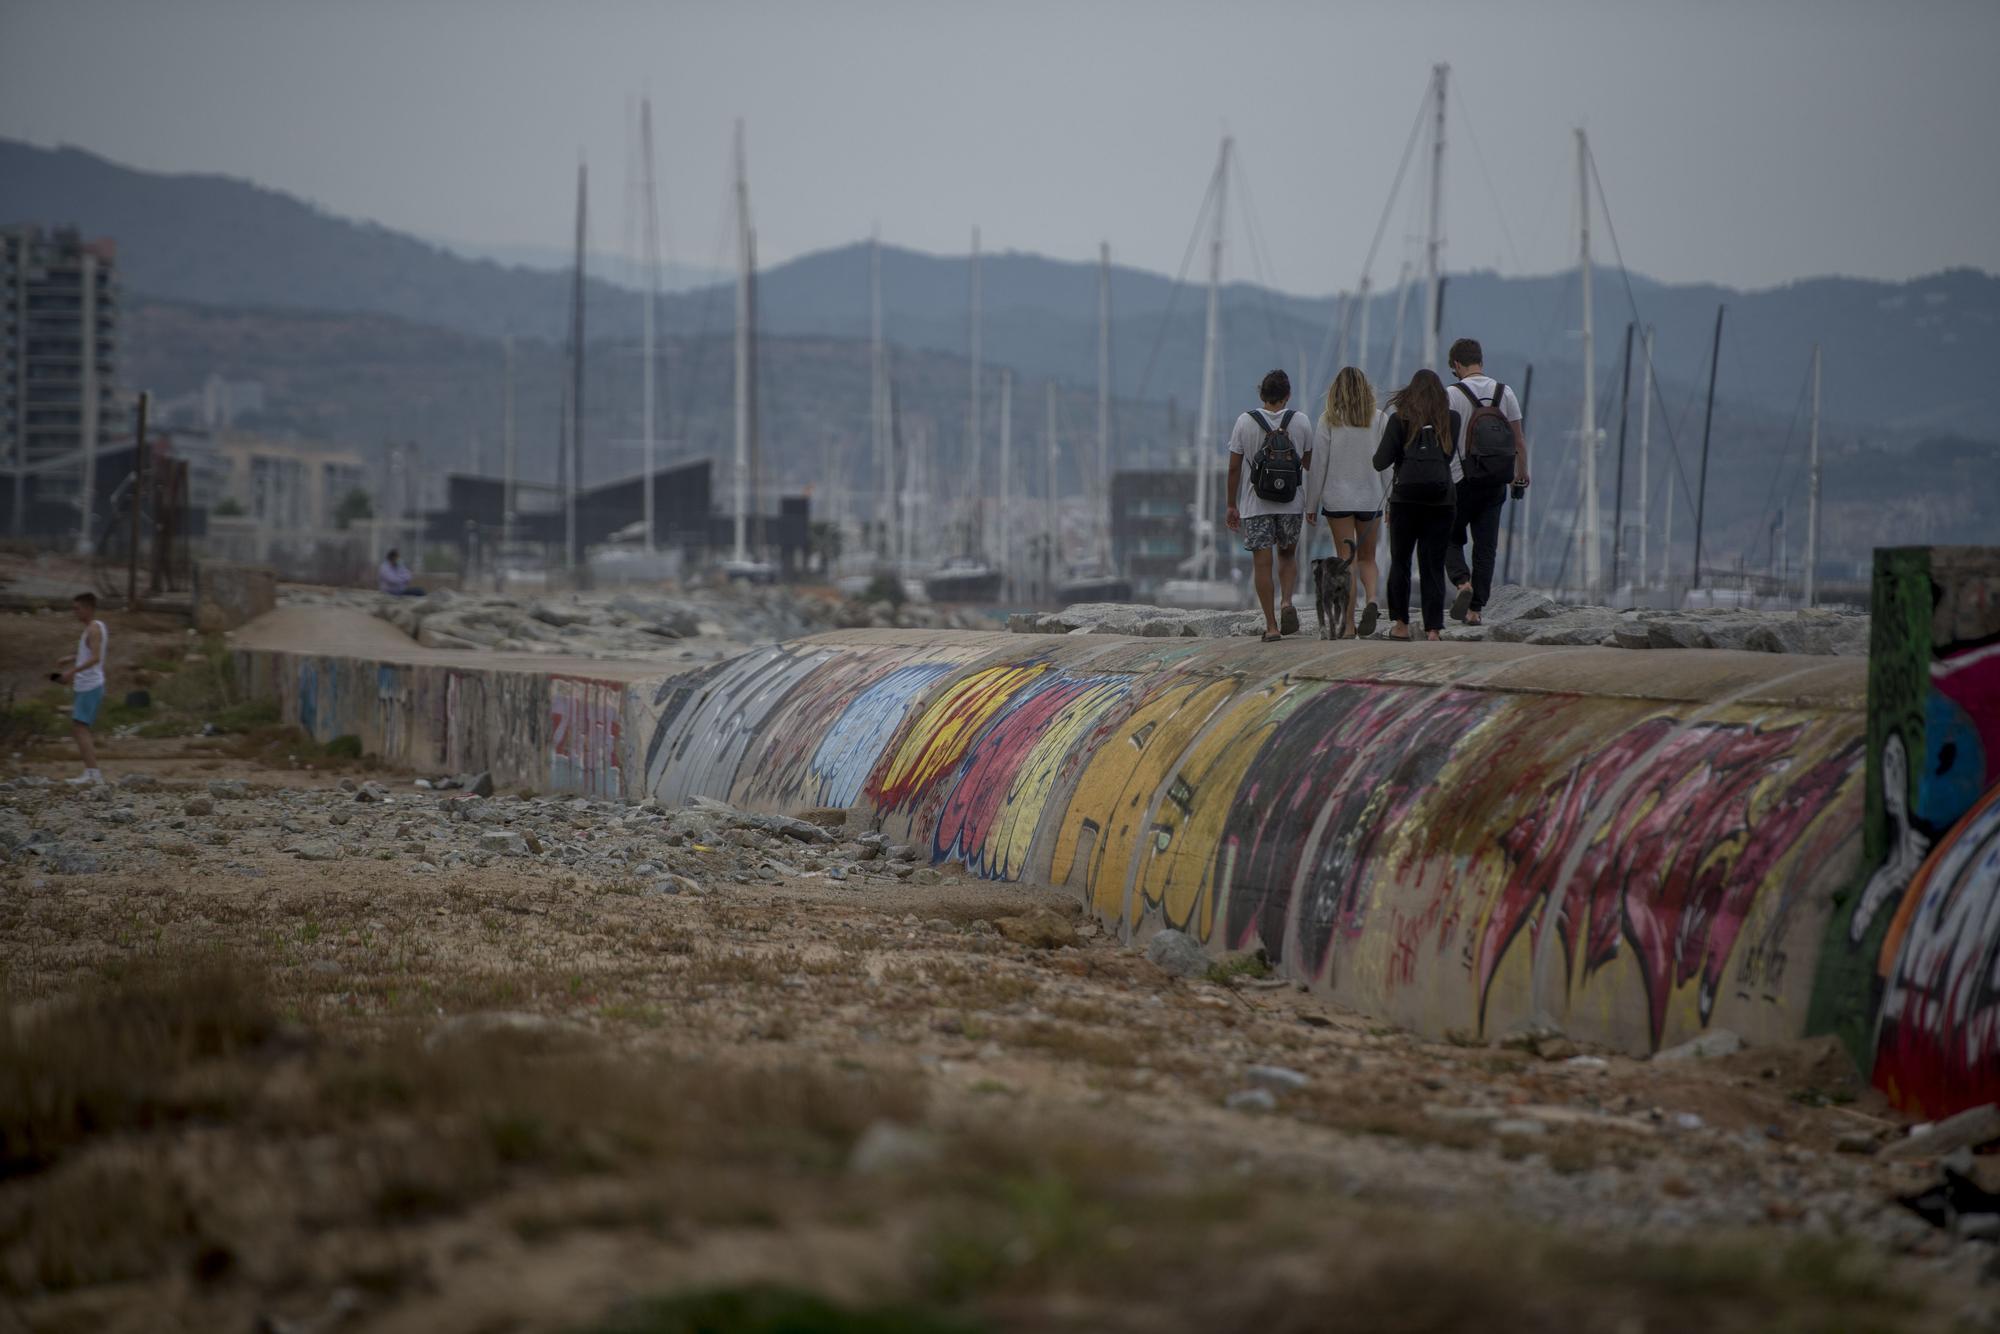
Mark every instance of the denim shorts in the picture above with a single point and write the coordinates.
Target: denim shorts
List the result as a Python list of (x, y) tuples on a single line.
[(1271, 530), (83, 708)]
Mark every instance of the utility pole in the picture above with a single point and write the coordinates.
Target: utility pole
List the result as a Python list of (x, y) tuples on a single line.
[(1645, 460), (1435, 244), (652, 299), (1618, 491), (1204, 431), (1812, 495), (138, 492), (1524, 529), (740, 487), (1587, 430), (1707, 424), (1006, 524), (1103, 505)]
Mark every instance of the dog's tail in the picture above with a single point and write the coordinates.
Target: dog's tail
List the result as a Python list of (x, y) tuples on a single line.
[(1351, 548)]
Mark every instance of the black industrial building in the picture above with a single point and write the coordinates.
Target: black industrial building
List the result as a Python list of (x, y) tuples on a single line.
[(1151, 524), (683, 515)]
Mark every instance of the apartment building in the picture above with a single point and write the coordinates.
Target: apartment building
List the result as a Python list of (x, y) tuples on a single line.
[(58, 364)]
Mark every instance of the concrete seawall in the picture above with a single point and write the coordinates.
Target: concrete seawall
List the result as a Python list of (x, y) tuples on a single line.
[(1463, 838)]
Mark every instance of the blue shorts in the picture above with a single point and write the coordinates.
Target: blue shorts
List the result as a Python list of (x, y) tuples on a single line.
[(84, 708)]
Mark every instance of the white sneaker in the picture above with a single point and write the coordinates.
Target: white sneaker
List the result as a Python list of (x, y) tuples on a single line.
[(89, 778)]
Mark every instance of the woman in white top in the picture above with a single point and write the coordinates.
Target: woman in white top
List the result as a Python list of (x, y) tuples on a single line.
[(1346, 489)]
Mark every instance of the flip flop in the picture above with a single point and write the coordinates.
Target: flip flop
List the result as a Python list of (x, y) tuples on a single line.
[(1370, 614), (1288, 620), (1462, 603), (1271, 638)]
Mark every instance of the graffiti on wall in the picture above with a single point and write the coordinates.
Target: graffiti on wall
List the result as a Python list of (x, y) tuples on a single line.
[(1906, 976), (586, 724), (703, 723), (1003, 784)]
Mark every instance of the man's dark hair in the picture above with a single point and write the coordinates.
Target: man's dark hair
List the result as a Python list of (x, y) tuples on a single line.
[(87, 599), (1275, 387), (392, 554), (1466, 352)]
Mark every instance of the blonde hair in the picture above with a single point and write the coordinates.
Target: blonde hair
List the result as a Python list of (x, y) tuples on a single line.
[(1350, 400)]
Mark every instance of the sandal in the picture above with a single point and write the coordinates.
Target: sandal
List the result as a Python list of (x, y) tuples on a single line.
[(1462, 603), (1273, 637), (1288, 620), (1370, 614)]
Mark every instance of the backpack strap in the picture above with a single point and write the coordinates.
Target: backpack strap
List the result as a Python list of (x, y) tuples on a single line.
[(1471, 397), (1285, 422)]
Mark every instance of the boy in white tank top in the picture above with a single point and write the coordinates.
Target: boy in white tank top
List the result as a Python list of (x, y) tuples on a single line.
[(84, 673)]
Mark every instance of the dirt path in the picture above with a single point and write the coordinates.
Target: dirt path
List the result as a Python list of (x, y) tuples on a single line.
[(434, 1080)]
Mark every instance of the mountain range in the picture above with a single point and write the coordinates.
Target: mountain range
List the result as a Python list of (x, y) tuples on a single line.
[(362, 334)]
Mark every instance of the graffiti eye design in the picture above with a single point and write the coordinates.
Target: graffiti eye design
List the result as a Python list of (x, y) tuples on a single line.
[(1162, 836), (1182, 795), (1143, 735)]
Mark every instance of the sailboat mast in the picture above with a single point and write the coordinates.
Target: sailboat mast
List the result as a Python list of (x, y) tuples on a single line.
[(507, 448), (1103, 506), (1361, 343), (1204, 506), (1435, 244), (1049, 561), (1812, 495), (1006, 523), (878, 392), (1707, 426), (975, 486), (1587, 430), (652, 300), (574, 482), (1618, 487), (757, 543), (741, 479), (1396, 339), (1645, 462)]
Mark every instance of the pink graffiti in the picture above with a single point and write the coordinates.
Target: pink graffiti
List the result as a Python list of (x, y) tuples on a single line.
[(978, 797), (1938, 1048), (1675, 867)]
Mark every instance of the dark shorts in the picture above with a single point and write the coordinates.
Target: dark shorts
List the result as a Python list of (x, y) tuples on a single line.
[(1359, 516), (1271, 530)]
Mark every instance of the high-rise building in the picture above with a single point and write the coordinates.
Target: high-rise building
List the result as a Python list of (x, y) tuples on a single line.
[(58, 364)]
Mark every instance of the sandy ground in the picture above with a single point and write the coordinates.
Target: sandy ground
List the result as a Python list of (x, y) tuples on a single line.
[(423, 1085), (515, 1096)]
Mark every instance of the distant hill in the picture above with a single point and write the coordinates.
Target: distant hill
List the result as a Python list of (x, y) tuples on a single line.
[(1902, 359)]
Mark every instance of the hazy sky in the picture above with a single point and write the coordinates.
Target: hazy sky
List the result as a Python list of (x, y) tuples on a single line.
[(1750, 142)]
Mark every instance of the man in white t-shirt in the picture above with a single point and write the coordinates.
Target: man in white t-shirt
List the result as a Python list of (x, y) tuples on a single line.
[(1479, 501), (1270, 525)]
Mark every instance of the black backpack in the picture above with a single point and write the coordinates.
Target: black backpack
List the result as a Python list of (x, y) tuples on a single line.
[(1489, 438), (1424, 475), (1275, 471)]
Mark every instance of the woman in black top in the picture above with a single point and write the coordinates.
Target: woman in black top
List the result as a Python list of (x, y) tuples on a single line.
[(1419, 521)]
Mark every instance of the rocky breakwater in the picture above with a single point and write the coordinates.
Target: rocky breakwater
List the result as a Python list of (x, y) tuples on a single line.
[(1515, 616), (628, 623), (231, 827)]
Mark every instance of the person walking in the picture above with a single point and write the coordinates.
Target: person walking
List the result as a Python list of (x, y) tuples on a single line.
[(1267, 499), (1347, 490), (1492, 454), (83, 673), (1419, 441)]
